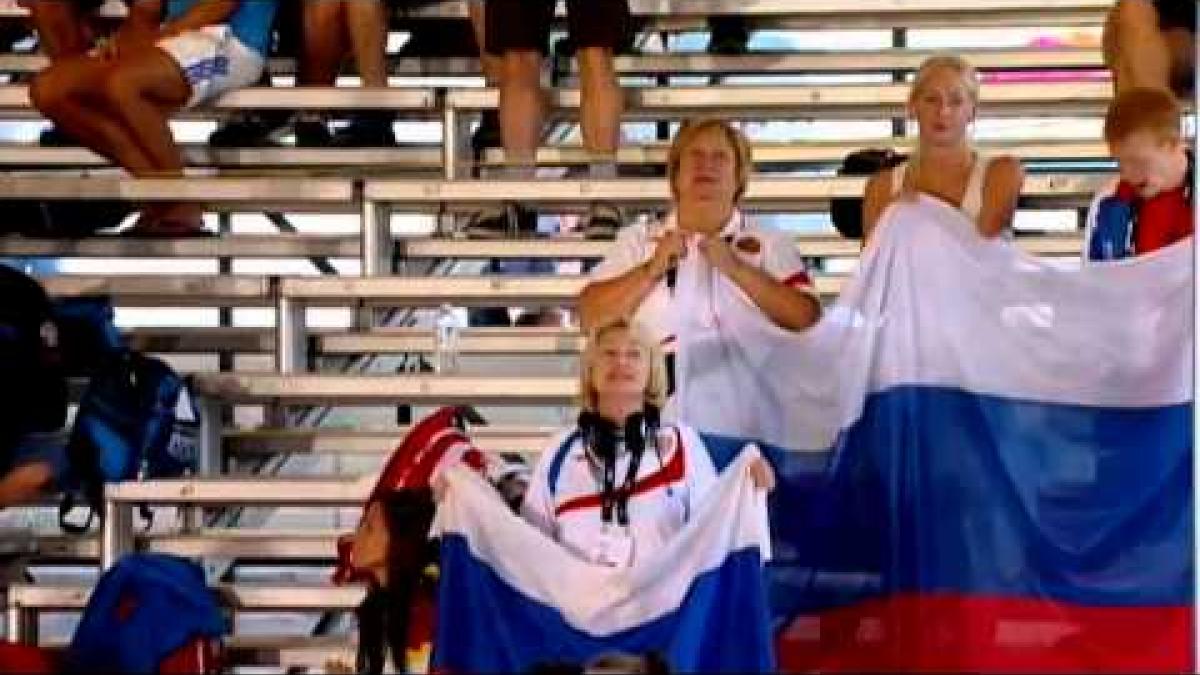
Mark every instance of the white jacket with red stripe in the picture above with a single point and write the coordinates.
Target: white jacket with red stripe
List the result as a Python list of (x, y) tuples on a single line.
[(564, 500)]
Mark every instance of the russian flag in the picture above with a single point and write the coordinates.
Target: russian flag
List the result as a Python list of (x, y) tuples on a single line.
[(512, 599), (986, 458)]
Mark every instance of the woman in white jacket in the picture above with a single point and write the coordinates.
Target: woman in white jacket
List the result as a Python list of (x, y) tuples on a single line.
[(620, 484)]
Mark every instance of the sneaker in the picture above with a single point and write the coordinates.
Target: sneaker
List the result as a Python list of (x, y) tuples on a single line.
[(366, 130), (249, 130), (509, 220), (311, 134), (602, 222)]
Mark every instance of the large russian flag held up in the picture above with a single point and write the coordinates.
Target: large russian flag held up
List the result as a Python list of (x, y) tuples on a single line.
[(511, 598), (986, 457), (985, 464)]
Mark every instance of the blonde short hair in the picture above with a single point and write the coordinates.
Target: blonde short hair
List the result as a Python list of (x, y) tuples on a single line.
[(737, 140), (656, 385), (952, 62)]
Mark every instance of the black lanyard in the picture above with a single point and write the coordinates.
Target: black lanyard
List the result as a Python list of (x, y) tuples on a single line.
[(613, 499)]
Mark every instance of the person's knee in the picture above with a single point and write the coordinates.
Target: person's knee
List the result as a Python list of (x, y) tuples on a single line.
[(324, 11), (48, 92), (369, 9), (1132, 16), (522, 68), (597, 63)]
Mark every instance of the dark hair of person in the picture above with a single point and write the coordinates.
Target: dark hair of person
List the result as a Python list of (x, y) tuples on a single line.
[(384, 614)]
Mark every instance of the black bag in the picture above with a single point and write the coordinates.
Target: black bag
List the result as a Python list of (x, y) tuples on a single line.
[(33, 397), (846, 212)]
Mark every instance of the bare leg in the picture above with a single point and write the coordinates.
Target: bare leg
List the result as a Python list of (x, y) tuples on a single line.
[(602, 101), (142, 93), (61, 28), (521, 109), (67, 94), (323, 45), (491, 64), (487, 134), (600, 117), (366, 22), (324, 42), (1134, 48), (25, 483)]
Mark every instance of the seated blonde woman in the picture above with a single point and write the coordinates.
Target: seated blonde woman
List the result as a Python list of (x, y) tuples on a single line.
[(618, 485), (944, 100)]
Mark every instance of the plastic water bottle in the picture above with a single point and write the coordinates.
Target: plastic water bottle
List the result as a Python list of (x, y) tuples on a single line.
[(445, 341)]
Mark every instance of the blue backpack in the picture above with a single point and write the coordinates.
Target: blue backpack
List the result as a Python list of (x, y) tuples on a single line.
[(149, 613), (137, 419), (87, 333)]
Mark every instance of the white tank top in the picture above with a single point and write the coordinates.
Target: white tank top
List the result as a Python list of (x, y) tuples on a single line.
[(972, 199)]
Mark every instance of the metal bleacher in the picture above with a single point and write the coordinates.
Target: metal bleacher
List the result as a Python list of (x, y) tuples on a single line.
[(308, 429)]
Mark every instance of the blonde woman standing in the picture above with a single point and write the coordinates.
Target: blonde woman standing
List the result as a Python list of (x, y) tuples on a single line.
[(707, 283), (944, 101)]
